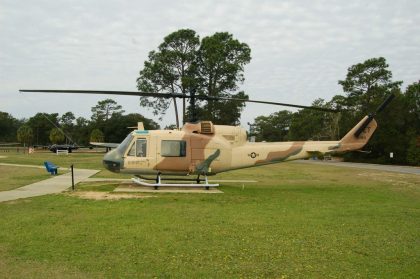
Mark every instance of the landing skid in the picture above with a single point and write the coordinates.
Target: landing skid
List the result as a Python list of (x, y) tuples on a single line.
[(159, 183)]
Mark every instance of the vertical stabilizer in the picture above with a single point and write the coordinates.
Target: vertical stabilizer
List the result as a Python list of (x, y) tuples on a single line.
[(355, 141)]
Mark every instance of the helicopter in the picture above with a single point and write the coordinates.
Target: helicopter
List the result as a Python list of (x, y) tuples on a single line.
[(201, 148)]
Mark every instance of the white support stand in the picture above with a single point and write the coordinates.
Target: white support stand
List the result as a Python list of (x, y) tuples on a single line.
[(159, 183), (62, 151)]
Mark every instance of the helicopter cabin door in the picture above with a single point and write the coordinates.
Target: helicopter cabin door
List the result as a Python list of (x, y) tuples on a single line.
[(140, 154), (172, 154)]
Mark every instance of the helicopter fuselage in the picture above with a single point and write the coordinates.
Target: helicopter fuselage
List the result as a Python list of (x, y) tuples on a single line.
[(204, 148)]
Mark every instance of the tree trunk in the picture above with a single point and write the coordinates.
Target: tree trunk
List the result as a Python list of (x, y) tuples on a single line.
[(183, 110), (176, 113)]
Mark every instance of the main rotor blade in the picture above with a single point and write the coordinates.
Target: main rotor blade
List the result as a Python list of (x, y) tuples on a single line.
[(172, 95), (126, 93), (264, 102)]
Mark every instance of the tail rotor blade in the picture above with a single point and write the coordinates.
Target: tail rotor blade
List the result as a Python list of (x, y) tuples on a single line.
[(385, 103), (363, 126), (372, 115)]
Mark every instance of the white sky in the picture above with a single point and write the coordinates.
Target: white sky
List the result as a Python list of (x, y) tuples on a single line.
[(300, 49)]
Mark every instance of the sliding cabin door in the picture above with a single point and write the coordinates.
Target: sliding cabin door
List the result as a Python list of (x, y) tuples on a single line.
[(173, 155)]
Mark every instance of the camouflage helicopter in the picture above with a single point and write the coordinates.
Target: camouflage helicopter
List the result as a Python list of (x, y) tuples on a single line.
[(202, 148)]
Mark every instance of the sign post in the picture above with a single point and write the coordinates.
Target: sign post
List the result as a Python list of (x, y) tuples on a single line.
[(72, 177)]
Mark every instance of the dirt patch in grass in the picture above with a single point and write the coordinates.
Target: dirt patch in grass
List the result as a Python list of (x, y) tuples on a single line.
[(19, 201), (399, 181), (107, 196), (393, 178)]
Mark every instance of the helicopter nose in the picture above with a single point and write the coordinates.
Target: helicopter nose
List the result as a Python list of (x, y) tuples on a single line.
[(112, 161)]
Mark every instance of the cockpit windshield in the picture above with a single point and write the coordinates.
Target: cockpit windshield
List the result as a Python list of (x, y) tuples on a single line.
[(124, 145)]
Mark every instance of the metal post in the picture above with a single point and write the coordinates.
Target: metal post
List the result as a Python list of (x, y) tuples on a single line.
[(72, 178)]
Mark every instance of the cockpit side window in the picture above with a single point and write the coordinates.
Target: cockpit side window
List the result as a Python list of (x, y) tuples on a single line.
[(138, 148), (132, 151), (141, 148)]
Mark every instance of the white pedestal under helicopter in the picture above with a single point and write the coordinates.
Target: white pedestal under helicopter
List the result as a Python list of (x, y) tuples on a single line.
[(201, 148)]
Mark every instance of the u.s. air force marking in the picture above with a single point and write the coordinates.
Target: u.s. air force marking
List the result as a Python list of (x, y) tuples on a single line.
[(253, 155)]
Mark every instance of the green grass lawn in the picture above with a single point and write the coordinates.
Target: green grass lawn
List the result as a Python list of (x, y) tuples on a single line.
[(299, 221), (13, 177), (79, 160)]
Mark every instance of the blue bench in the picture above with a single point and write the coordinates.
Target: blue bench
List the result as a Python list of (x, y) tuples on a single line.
[(51, 168)]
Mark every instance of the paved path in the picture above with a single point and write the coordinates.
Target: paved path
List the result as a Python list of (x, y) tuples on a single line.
[(391, 168), (52, 185)]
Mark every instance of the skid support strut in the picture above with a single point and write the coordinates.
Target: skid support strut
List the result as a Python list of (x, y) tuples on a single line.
[(158, 183)]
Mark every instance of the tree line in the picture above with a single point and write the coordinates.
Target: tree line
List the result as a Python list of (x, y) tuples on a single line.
[(365, 87), (108, 123)]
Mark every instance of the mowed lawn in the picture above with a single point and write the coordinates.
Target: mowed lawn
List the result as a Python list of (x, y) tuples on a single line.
[(80, 160), (13, 177), (298, 221), (77, 159)]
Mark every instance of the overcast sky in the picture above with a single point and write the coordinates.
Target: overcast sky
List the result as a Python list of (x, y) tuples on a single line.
[(300, 49)]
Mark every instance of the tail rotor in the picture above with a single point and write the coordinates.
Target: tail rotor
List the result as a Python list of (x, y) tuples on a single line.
[(372, 115)]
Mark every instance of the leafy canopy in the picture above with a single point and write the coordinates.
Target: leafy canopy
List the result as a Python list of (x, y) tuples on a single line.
[(24, 134), (367, 82), (169, 69), (105, 109), (97, 136), (56, 136), (213, 66)]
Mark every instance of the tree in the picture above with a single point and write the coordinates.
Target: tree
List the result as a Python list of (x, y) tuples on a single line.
[(117, 126), (96, 136), (367, 82), (213, 67), (67, 125), (41, 124), (81, 131), (220, 65), (169, 70), (56, 136), (104, 110), (24, 134), (274, 127), (67, 119), (310, 124), (412, 103), (413, 152), (8, 127), (412, 109)]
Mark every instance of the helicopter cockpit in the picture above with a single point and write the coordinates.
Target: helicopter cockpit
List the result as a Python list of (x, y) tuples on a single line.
[(138, 148)]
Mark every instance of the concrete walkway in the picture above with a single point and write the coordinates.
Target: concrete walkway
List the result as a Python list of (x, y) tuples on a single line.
[(391, 168), (52, 185)]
